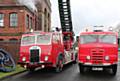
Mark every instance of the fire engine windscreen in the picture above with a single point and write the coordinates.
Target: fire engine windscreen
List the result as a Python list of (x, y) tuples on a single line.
[(110, 39), (28, 40), (44, 39), (38, 39)]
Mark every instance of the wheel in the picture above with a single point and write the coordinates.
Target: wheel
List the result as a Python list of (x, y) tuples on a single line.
[(114, 70), (31, 69), (81, 68), (59, 66), (75, 61)]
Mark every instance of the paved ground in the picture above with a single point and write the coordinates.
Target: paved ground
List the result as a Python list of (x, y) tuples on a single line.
[(70, 73)]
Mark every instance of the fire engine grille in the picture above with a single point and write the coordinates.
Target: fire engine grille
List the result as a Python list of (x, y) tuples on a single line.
[(34, 55), (97, 56)]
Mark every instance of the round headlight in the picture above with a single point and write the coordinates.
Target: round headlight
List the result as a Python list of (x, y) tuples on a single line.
[(107, 58), (88, 57), (24, 59), (49, 53), (46, 58)]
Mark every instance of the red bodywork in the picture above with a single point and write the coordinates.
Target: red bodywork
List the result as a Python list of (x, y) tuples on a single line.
[(93, 54), (68, 42), (52, 51)]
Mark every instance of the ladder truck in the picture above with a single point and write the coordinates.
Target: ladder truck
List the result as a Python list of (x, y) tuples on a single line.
[(49, 49)]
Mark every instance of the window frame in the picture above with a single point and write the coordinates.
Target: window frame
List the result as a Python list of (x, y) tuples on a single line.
[(27, 21), (13, 19), (13, 40), (3, 15), (30, 23)]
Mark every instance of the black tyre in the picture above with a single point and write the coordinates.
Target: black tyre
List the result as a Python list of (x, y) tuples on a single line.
[(59, 66), (114, 70), (81, 69), (75, 61), (31, 69)]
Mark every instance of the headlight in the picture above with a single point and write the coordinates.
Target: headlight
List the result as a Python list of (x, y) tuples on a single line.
[(88, 57), (24, 59), (76, 48), (49, 53), (107, 58), (46, 58)]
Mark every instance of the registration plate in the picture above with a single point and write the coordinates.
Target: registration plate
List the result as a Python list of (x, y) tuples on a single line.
[(99, 69)]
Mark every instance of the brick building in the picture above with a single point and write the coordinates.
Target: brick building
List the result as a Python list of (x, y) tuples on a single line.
[(16, 18), (44, 12)]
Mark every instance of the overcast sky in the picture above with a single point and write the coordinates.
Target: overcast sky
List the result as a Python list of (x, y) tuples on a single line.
[(88, 13)]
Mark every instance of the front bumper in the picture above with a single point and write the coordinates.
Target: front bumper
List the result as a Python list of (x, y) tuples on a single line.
[(97, 65), (35, 63)]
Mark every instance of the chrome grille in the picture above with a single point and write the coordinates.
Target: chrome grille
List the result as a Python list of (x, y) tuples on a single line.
[(34, 55), (97, 55)]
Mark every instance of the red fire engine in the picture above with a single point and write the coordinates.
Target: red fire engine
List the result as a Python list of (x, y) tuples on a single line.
[(44, 49), (51, 49), (98, 50)]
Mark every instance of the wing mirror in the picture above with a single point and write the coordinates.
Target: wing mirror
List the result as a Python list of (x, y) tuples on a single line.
[(76, 48)]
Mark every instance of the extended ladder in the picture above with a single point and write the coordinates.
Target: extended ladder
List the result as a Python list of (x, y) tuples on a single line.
[(65, 15), (66, 23)]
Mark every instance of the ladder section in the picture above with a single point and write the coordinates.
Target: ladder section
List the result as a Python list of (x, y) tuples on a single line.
[(65, 15), (66, 23)]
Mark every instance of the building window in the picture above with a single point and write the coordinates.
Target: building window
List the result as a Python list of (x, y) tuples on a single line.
[(31, 23), (48, 22), (13, 40), (27, 21), (13, 19), (1, 40), (48, 27), (1, 20), (39, 26), (45, 20), (48, 16)]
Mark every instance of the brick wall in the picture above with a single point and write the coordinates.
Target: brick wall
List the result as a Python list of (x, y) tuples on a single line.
[(8, 31), (12, 48)]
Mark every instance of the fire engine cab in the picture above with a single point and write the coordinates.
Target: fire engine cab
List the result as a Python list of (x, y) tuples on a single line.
[(44, 49), (98, 50)]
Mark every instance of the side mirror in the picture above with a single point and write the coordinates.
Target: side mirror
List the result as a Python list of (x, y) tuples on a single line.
[(76, 48), (118, 41)]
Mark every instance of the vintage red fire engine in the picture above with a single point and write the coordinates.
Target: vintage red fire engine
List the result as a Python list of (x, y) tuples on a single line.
[(98, 50), (44, 49)]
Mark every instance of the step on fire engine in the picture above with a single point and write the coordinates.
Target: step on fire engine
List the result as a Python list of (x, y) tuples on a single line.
[(49, 49), (98, 50)]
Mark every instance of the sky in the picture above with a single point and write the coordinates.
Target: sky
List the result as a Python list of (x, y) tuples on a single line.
[(89, 13)]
